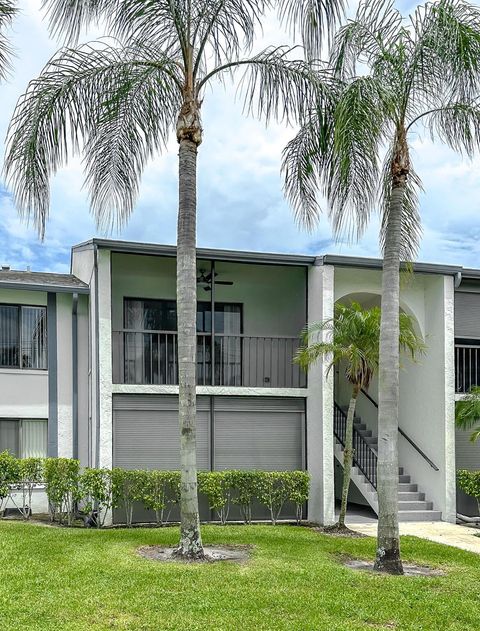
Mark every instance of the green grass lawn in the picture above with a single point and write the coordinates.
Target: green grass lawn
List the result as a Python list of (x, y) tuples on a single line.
[(56, 578)]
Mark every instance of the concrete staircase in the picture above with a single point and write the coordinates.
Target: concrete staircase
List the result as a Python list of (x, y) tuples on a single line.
[(412, 505)]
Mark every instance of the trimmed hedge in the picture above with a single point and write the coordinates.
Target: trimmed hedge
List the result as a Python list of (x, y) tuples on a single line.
[(92, 493)]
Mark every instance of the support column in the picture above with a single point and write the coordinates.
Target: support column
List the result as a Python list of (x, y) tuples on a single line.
[(52, 363), (320, 443)]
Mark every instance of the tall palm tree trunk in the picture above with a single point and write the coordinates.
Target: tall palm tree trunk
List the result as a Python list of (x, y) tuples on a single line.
[(348, 455), (388, 540), (189, 137)]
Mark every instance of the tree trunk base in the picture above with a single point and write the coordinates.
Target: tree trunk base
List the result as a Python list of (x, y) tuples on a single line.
[(388, 562), (189, 555)]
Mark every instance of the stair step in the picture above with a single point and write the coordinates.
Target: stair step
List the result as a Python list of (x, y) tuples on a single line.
[(360, 427), (404, 478), (370, 440), (420, 515), (410, 496), (420, 505), (407, 487), (365, 433)]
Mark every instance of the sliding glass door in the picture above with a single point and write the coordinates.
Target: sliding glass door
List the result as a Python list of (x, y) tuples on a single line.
[(151, 342)]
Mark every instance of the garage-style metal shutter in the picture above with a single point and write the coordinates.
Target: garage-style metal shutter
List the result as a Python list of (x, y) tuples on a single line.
[(259, 433), (467, 315), (146, 432)]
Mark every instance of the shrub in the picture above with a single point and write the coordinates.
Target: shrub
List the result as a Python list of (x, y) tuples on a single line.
[(31, 474), (63, 489), (127, 489), (9, 475), (469, 482), (273, 491), (244, 490), (298, 483), (217, 487), (96, 492), (160, 491)]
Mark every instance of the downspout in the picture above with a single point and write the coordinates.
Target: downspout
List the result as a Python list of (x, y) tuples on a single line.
[(458, 280), (75, 375), (97, 360)]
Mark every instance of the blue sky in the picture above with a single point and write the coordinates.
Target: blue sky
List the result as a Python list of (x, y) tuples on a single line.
[(240, 201)]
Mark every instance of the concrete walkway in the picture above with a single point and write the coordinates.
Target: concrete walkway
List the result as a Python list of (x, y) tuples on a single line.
[(439, 531)]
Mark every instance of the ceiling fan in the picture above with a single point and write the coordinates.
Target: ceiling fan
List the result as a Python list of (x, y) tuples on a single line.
[(206, 279)]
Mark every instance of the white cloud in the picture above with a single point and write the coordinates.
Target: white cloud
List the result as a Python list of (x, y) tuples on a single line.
[(240, 199)]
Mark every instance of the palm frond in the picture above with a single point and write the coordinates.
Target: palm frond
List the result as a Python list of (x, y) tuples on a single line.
[(467, 412), (8, 10), (457, 125), (350, 181), (119, 102), (313, 20), (274, 86)]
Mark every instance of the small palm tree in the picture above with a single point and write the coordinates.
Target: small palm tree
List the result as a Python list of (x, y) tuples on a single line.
[(8, 10), (467, 413), (357, 152), (352, 338), (119, 100)]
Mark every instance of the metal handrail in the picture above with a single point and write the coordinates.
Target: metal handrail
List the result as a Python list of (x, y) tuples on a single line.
[(364, 457), (208, 334), (405, 435)]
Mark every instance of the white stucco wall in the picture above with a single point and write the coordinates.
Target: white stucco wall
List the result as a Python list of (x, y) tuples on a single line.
[(320, 458), (105, 358), (426, 387), (427, 402), (65, 374)]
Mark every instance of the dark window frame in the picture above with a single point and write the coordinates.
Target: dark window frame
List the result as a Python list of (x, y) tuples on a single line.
[(164, 300), (19, 366)]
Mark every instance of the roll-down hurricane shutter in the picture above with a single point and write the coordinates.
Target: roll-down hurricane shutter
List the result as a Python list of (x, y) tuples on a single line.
[(146, 432), (467, 315), (259, 433)]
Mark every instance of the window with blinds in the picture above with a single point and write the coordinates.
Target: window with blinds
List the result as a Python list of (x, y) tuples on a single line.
[(24, 438), (23, 337)]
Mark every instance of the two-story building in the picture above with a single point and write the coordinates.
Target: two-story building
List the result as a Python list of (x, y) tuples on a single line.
[(88, 368)]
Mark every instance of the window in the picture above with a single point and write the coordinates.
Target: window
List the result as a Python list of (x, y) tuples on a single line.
[(23, 337), (150, 353), (24, 438)]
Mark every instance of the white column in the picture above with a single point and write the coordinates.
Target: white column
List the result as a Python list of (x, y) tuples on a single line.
[(105, 358), (449, 341), (321, 505)]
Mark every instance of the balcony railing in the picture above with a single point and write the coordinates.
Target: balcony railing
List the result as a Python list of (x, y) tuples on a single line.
[(467, 367), (151, 357)]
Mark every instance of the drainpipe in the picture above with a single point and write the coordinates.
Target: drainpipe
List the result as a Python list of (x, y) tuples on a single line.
[(75, 375), (458, 280)]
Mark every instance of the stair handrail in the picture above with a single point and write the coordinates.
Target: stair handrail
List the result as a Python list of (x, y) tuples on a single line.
[(368, 466), (405, 435)]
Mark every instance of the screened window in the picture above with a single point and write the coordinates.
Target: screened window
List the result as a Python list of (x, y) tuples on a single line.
[(23, 337), (24, 438)]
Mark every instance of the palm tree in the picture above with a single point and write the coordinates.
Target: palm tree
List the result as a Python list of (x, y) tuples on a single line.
[(8, 10), (424, 72), (118, 100), (467, 413), (352, 339)]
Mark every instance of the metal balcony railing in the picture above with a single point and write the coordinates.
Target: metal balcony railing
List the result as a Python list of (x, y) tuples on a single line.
[(467, 367), (151, 357)]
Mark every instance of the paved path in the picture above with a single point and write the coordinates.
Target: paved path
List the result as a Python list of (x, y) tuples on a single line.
[(438, 531)]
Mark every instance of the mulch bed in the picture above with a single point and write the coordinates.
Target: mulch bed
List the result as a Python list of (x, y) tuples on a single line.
[(408, 568), (339, 531), (236, 554)]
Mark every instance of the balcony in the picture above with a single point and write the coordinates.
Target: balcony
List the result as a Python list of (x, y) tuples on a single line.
[(467, 367), (147, 357)]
